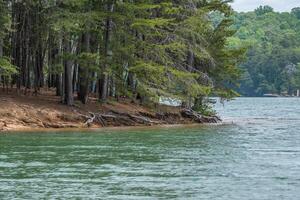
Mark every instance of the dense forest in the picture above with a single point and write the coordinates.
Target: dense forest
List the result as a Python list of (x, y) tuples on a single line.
[(273, 57), (143, 50), (146, 50)]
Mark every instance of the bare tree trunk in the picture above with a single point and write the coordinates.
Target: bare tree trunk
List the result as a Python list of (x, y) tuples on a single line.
[(108, 54), (59, 76), (84, 72), (132, 83), (28, 79), (190, 64), (27, 56), (75, 76), (1, 47), (93, 88), (1, 55), (190, 61), (16, 16), (59, 87), (68, 86)]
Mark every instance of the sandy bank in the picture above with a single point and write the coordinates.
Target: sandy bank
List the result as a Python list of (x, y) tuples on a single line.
[(45, 112)]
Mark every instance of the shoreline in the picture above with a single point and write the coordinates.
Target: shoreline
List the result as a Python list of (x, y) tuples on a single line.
[(113, 128), (45, 113)]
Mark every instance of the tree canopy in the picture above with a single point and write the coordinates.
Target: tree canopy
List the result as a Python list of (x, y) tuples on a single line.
[(273, 41), (141, 49)]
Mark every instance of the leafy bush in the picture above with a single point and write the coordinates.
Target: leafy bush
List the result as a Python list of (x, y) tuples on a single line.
[(6, 68)]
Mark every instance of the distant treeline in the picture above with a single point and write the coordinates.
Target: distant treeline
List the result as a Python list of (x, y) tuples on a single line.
[(272, 63)]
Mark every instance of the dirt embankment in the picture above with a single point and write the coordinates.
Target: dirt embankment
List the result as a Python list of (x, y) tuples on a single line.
[(19, 112)]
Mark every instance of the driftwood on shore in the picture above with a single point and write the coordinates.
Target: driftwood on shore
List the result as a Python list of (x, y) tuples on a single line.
[(197, 117), (45, 112), (126, 119), (117, 117)]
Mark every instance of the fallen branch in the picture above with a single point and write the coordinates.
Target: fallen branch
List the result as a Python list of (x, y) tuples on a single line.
[(136, 118), (197, 117), (90, 120)]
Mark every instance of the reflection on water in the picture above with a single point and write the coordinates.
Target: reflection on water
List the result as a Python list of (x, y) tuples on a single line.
[(255, 157)]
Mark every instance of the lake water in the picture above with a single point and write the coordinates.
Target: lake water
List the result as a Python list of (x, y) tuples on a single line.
[(254, 156)]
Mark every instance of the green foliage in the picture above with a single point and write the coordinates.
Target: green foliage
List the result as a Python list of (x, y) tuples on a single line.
[(6, 68), (162, 67), (168, 48), (261, 10), (273, 40), (4, 19), (296, 12), (205, 109)]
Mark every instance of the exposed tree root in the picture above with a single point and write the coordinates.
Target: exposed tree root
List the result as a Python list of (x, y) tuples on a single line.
[(18, 113), (197, 117), (128, 119)]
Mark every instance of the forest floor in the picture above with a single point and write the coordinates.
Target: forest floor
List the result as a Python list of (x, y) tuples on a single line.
[(45, 111)]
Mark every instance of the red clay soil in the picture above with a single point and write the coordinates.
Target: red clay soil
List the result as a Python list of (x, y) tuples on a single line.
[(19, 112)]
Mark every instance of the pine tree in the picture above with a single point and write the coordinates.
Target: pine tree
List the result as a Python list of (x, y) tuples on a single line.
[(141, 49)]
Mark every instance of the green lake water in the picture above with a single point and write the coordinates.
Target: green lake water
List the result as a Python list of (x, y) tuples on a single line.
[(255, 155)]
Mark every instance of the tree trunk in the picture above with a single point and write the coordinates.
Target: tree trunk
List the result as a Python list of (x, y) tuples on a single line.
[(190, 61), (84, 72), (132, 83), (26, 56), (108, 55), (75, 77), (59, 87), (59, 75), (93, 88), (68, 86), (1, 55), (1, 47), (190, 64)]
